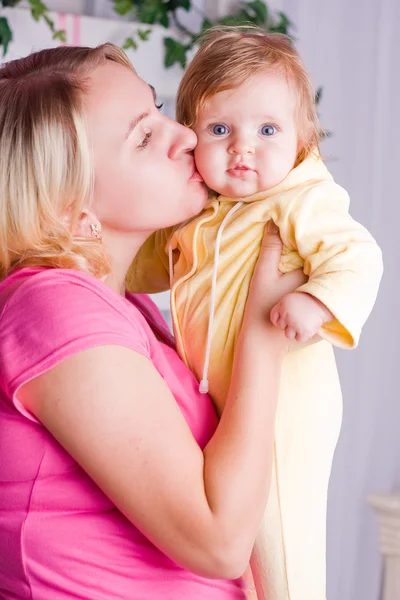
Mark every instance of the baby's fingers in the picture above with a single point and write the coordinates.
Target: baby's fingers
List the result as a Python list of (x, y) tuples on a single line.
[(290, 333)]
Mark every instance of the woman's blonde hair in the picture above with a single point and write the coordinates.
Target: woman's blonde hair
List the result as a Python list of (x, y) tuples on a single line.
[(45, 160), (230, 56)]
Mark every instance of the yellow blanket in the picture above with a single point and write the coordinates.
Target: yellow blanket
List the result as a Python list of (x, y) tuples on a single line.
[(344, 267)]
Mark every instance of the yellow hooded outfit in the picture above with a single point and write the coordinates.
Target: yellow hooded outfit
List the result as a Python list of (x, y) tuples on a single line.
[(209, 268)]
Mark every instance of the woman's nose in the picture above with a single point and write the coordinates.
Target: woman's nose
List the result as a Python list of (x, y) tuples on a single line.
[(184, 140)]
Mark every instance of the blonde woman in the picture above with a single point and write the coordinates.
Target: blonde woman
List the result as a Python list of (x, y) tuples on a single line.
[(116, 481)]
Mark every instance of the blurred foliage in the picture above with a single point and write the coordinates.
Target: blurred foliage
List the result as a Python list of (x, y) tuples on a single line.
[(166, 14), (38, 11)]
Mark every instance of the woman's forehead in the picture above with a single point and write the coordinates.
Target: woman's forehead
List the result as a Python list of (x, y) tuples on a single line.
[(115, 92)]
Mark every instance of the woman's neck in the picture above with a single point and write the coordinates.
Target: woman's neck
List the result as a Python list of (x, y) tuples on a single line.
[(121, 251)]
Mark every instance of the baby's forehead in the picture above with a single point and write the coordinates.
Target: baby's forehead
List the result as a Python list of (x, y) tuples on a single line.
[(260, 97), (264, 83)]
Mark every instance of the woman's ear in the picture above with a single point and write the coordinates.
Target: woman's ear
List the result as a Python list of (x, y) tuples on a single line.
[(87, 225)]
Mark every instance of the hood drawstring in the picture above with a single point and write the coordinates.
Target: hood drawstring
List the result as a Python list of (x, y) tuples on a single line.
[(203, 388)]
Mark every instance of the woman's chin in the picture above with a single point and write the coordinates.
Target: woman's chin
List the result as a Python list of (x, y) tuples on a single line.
[(200, 198)]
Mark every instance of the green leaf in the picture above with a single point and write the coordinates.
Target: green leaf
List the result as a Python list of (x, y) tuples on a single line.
[(175, 52), (38, 9), (164, 20), (174, 4), (60, 35), (5, 34), (153, 11), (245, 16), (282, 25), (277, 29), (318, 95), (284, 19), (260, 11), (50, 23), (239, 18), (129, 44), (10, 3), (122, 7), (144, 34)]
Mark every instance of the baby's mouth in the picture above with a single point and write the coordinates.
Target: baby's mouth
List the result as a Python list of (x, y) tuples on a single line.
[(240, 170)]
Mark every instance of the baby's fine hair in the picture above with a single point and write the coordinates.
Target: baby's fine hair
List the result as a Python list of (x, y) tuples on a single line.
[(229, 56), (45, 160)]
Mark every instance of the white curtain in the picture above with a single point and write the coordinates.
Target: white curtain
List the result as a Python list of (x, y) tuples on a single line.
[(352, 48)]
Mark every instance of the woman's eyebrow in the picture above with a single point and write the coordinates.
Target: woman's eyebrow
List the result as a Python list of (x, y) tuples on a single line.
[(140, 118), (135, 122)]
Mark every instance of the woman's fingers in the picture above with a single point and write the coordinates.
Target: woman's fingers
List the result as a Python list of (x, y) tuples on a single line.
[(269, 286), (271, 250)]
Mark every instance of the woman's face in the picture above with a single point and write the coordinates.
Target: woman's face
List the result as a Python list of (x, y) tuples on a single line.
[(144, 172)]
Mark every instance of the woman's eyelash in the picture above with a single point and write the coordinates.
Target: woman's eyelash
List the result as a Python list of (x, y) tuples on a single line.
[(159, 105), (146, 140)]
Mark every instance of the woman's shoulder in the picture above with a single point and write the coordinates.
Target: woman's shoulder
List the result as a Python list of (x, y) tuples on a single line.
[(62, 293), (50, 285), (47, 315)]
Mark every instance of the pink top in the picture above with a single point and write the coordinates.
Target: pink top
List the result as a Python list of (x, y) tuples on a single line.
[(60, 536)]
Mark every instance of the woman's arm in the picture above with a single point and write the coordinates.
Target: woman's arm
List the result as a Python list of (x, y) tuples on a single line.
[(112, 411)]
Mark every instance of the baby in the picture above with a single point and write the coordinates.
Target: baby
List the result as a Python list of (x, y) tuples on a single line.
[(248, 97)]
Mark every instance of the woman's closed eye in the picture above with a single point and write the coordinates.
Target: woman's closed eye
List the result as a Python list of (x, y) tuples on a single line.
[(145, 140)]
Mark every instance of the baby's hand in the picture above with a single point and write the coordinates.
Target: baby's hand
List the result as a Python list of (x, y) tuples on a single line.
[(300, 316)]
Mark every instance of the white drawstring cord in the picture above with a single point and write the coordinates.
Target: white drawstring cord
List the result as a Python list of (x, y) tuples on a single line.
[(203, 387)]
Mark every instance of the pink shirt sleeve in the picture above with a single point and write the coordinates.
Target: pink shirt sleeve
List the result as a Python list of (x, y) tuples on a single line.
[(55, 314)]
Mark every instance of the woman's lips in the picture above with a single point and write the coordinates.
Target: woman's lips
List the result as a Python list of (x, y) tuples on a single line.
[(196, 176)]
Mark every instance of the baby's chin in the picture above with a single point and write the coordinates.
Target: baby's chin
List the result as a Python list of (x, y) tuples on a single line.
[(238, 190), (242, 188)]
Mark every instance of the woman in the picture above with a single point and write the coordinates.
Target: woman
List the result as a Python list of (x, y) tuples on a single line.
[(116, 481)]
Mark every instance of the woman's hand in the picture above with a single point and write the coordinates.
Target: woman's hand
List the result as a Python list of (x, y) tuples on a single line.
[(269, 285)]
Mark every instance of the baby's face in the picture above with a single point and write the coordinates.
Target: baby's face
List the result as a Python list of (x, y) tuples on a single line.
[(247, 137)]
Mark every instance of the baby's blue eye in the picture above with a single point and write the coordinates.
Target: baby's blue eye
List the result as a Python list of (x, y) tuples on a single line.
[(219, 129), (268, 130)]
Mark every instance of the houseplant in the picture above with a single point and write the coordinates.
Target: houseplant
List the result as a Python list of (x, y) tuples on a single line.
[(166, 14)]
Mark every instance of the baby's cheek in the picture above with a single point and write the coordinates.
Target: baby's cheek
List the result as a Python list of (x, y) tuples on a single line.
[(207, 165)]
